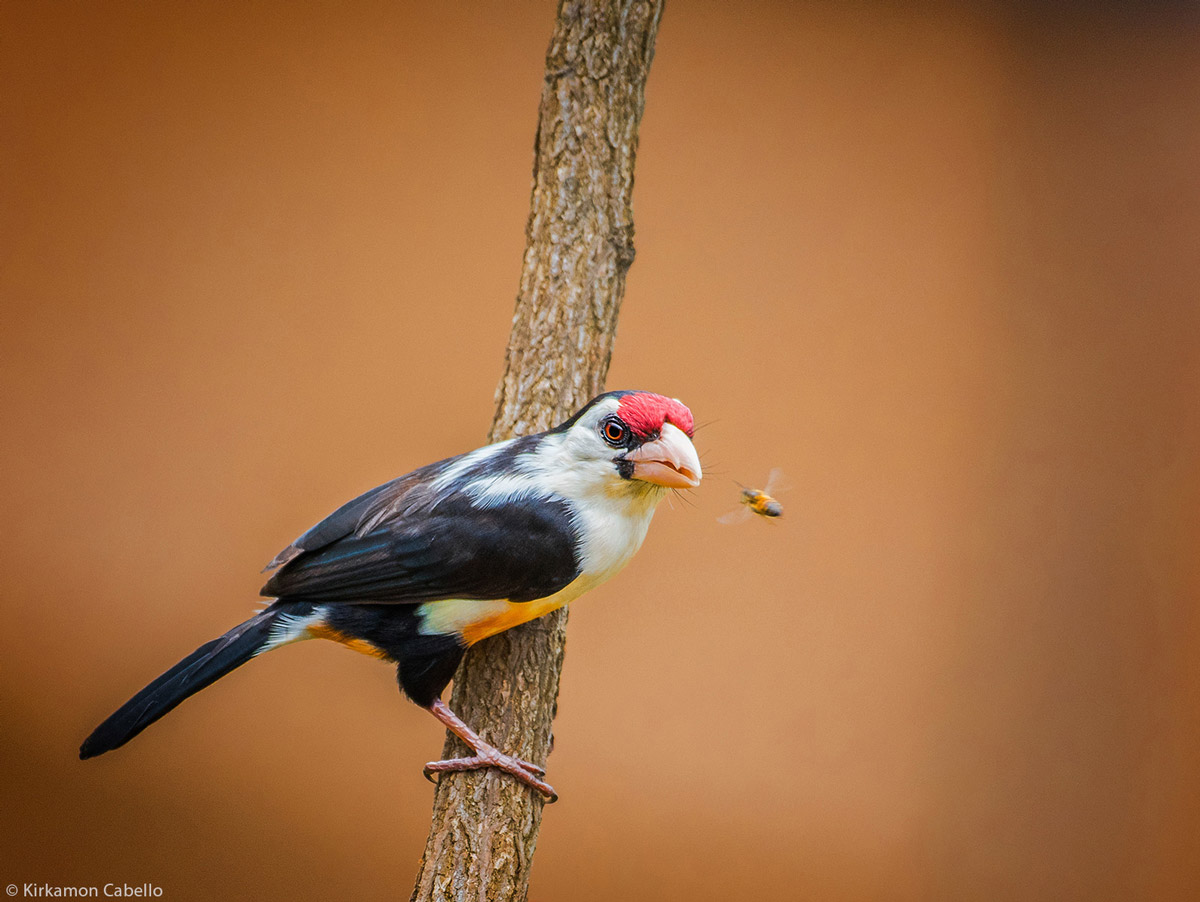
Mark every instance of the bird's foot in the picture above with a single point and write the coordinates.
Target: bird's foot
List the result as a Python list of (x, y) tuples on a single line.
[(485, 756), (524, 771)]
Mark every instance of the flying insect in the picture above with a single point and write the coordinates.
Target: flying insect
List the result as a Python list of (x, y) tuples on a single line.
[(758, 501)]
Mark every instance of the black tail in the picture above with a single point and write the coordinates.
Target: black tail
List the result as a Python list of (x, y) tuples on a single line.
[(202, 667)]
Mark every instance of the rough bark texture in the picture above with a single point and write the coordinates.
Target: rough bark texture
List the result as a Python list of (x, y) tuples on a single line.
[(579, 245)]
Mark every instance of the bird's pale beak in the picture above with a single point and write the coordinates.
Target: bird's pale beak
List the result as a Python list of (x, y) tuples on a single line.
[(670, 460)]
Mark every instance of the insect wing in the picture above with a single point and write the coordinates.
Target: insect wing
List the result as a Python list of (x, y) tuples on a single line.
[(775, 482), (735, 516)]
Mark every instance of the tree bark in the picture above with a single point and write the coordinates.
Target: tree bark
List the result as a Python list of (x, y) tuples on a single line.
[(579, 245)]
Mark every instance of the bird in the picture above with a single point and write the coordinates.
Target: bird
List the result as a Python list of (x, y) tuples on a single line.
[(422, 567)]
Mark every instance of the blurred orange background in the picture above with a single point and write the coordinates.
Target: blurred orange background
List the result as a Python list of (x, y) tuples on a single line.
[(939, 263)]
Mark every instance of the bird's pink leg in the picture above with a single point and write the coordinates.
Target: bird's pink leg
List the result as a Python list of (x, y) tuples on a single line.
[(485, 755)]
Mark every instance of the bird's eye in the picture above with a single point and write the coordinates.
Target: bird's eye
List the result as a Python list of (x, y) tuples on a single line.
[(614, 431)]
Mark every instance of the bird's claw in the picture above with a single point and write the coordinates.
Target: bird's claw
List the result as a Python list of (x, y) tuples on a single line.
[(524, 771)]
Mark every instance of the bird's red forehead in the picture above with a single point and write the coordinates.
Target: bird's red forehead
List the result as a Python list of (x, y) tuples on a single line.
[(646, 412)]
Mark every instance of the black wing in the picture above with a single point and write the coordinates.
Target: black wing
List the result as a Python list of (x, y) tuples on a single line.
[(398, 544)]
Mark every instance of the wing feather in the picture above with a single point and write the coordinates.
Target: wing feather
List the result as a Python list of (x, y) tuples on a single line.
[(404, 543)]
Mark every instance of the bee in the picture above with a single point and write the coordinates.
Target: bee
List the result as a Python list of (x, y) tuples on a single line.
[(758, 501)]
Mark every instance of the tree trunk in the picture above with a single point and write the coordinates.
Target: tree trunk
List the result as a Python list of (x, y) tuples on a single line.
[(579, 245)]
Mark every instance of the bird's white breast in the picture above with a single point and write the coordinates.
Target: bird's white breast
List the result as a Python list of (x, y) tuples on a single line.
[(613, 528)]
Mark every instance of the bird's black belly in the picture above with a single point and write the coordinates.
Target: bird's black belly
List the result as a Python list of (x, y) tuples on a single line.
[(425, 664)]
